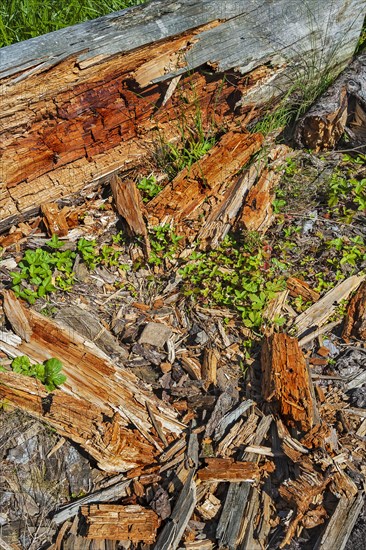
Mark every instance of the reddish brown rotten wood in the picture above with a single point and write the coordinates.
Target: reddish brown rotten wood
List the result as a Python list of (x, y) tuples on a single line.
[(117, 522), (92, 378), (286, 381), (107, 439), (183, 198), (129, 205), (355, 322), (305, 495), (227, 469), (257, 213)]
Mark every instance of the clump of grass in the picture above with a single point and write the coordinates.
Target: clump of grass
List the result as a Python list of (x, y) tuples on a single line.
[(195, 138), (23, 19)]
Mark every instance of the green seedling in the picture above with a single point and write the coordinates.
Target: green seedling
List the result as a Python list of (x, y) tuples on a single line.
[(149, 187), (164, 244), (48, 372)]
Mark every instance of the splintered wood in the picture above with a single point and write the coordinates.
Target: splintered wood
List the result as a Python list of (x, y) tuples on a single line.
[(286, 381), (110, 398), (220, 469), (129, 205), (117, 522), (355, 323), (183, 198)]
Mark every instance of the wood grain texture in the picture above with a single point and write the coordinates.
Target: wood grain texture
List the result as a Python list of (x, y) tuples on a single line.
[(84, 102)]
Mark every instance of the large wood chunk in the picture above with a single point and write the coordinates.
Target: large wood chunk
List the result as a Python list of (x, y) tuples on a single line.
[(117, 522), (286, 382), (342, 108), (355, 322)]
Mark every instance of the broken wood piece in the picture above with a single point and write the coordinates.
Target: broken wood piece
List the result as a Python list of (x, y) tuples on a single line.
[(319, 313), (155, 334), (107, 439), (113, 492), (341, 523), (184, 197), (303, 494), (15, 315), (355, 320), (342, 108), (224, 213), (112, 393), (54, 219), (297, 287), (227, 469), (286, 382), (209, 367), (86, 324), (117, 522), (192, 366), (229, 530), (130, 206), (257, 213), (173, 530)]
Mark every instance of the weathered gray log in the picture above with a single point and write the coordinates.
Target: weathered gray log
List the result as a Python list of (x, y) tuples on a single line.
[(84, 102)]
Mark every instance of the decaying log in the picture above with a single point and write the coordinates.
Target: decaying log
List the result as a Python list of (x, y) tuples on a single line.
[(117, 522), (182, 200), (84, 102), (286, 381), (342, 108), (355, 322), (111, 398)]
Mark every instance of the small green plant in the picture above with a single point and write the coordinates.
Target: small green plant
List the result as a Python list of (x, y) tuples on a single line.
[(236, 275), (149, 187), (164, 243), (37, 269), (346, 196), (48, 372)]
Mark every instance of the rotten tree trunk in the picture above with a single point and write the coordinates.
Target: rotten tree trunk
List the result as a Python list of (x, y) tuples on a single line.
[(91, 100)]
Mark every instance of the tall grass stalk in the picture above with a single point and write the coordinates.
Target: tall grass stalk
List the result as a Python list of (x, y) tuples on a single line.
[(23, 19)]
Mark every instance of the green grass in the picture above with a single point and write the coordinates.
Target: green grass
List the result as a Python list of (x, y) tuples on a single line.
[(23, 19)]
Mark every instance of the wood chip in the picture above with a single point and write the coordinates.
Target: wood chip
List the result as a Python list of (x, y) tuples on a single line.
[(117, 522)]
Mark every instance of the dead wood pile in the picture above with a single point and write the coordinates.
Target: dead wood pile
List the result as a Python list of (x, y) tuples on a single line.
[(193, 458)]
